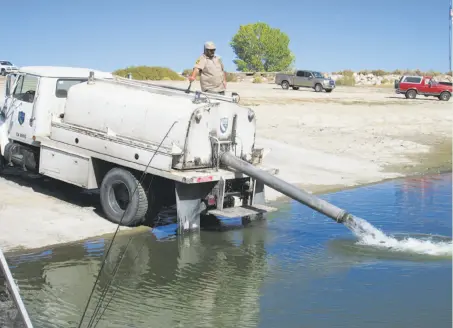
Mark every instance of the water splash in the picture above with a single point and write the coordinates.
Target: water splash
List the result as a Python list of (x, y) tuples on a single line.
[(372, 236)]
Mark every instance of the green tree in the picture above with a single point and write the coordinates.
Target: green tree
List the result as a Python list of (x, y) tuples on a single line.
[(261, 48)]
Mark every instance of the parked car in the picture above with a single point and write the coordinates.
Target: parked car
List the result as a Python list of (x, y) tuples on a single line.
[(305, 79), (411, 86), (7, 67)]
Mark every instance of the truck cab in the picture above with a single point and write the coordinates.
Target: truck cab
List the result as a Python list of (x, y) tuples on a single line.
[(33, 95)]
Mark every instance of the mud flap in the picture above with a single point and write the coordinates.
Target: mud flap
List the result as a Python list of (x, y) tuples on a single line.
[(189, 204), (259, 197)]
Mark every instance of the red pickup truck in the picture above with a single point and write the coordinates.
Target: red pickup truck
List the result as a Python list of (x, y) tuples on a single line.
[(411, 86)]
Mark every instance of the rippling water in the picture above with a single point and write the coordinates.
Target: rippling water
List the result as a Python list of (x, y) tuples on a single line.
[(297, 269)]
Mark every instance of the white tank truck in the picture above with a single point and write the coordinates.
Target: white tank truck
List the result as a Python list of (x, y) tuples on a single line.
[(99, 131)]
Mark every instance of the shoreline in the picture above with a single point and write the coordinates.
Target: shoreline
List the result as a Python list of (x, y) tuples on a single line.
[(321, 142), (277, 202)]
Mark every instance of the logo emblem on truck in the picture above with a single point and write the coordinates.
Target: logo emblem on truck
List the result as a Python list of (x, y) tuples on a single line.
[(223, 124), (21, 117)]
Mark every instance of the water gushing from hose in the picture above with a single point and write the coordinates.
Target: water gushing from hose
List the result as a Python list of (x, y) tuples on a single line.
[(372, 236)]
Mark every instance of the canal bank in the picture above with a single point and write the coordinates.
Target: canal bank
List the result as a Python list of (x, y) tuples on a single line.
[(38, 213)]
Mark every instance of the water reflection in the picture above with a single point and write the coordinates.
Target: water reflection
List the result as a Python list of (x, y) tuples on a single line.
[(197, 280)]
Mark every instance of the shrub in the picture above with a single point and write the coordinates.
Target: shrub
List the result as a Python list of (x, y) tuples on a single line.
[(347, 73), (257, 79), (231, 77), (364, 72), (346, 81), (432, 73), (378, 72), (386, 81), (149, 73), (187, 72), (409, 72), (397, 72)]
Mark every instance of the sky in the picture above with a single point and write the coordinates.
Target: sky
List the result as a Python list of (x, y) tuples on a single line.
[(325, 35)]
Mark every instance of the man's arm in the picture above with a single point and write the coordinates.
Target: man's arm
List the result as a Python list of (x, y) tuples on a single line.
[(194, 74), (199, 65)]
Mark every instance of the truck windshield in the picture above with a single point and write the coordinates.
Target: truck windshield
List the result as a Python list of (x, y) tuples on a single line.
[(7, 63), (318, 75)]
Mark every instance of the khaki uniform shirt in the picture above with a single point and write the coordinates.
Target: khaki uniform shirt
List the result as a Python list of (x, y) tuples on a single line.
[(212, 73)]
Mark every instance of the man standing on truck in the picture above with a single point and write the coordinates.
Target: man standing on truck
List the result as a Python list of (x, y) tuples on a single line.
[(213, 75)]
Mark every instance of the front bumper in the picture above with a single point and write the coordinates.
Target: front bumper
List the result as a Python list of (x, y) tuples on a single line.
[(328, 86), (9, 70)]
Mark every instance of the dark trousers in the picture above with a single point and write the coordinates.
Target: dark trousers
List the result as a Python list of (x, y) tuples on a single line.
[(218, 92)]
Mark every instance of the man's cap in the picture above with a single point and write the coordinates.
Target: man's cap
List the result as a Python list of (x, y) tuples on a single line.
[(209, 45)]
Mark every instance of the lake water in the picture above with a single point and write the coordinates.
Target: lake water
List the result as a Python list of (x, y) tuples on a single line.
[(297, 269)]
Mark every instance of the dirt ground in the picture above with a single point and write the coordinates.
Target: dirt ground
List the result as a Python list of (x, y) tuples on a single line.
[(352, 136), (319, 141)]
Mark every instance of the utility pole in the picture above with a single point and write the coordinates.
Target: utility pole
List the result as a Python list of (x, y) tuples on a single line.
[(450, 20)]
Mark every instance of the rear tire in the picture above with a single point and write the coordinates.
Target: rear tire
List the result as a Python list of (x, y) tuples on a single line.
[(295, 88), (2, 163), (285, 85), (411, 94), (318, 87), (118, 198), (329, 90), (445, 96)]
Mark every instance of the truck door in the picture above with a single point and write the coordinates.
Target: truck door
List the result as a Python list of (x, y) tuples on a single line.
[(9, 85), (308, 80), (428, 86), (299, 79), (23, 101)]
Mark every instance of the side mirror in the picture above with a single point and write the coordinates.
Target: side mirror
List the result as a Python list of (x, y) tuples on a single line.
[(310, 77), (9, 83), (8, 86)]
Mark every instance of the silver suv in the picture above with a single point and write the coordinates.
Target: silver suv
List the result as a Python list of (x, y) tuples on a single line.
[(7, 67), (305, 79)]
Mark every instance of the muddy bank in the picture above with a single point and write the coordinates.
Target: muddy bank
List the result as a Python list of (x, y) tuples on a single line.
[(315, 140)]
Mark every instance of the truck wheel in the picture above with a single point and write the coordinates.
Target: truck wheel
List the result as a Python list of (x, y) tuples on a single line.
[(445, 96), (285, 85), (295, 88), (3, 72), (411, 94), (318, 87), (329, 90), (2, 163), (117, 196)]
